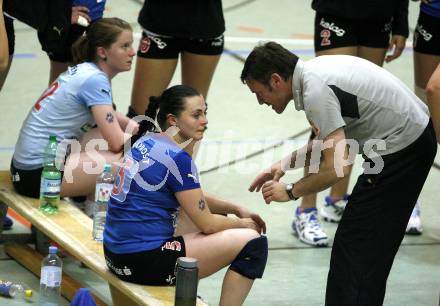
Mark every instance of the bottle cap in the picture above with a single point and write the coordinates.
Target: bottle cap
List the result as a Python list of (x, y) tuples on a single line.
[(187, 262), (107, 168), (28, 293), (53, 249), (52, 138)]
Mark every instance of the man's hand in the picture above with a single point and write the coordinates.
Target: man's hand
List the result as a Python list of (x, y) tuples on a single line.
[(397, 44), (79, 13), (274, 173), (274, 191), (246, 213)]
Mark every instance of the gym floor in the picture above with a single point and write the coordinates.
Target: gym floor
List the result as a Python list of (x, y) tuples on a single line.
[(296, 273)]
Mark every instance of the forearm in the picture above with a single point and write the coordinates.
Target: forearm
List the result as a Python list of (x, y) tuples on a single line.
[(316, 182), (302, 157), (220, 223), (220, 206)]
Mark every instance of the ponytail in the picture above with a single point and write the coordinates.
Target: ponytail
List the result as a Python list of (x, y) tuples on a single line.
[(148, 125), (172, 101), (80, 50)]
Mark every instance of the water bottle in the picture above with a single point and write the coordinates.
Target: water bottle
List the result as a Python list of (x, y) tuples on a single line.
[(50, 179), (187, 278), (50, 282), (14, 290), (103, 189)]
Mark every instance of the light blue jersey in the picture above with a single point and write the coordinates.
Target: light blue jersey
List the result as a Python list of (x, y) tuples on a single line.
[(63, 110), (143, 209)]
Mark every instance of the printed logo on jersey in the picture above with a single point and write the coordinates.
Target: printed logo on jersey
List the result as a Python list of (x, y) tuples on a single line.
[(332, 27), (157, 153), (144, 46)]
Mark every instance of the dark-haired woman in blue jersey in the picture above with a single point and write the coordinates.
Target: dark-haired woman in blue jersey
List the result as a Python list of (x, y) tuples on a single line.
[(159, 212)]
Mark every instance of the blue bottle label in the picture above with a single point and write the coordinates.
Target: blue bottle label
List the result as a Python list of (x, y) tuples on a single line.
[(5, 287), (50, 187)]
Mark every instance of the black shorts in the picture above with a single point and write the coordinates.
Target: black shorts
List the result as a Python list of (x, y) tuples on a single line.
[(336, 32), (63, 54), (154, 267), (27, 182), (167, 47), (9, 26), (427, 35)]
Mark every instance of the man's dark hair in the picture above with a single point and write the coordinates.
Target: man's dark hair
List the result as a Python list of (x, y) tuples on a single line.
[(267, 59)]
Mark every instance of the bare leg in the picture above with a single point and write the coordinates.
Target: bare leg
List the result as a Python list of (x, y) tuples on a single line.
[(151, 78), (56, 68), (235, 289), (424, 66), (374, 55), (82, 168), (198, 70), (215, 252), (4, 74)]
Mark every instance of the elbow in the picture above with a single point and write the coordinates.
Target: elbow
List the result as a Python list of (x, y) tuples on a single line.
[(208, 229), (114, 146), (432, 88)]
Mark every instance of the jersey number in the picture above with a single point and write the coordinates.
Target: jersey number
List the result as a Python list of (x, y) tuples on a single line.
[(48, 92)]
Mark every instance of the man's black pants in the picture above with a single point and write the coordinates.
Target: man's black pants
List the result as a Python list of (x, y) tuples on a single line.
[(374, 222)]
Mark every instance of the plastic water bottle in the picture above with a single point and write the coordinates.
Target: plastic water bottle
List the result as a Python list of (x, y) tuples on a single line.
[(187, 279), (14, 290), (103, 189), (50, 179), (50, 282)]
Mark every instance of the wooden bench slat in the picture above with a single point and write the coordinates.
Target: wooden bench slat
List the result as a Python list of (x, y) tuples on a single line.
[(72, 230)]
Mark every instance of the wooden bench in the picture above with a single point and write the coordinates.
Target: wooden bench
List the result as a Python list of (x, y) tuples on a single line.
[(72, 230)]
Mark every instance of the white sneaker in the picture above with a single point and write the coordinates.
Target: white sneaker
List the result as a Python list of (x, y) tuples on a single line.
[(414, 226), (332, 211), (308, 229)]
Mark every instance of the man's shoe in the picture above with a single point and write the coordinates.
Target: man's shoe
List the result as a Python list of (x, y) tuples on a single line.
[(307, 227), (332, 211), (414, 226)]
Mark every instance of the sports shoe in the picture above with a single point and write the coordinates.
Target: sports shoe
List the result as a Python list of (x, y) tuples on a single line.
[(332, 211), (307, 227), (7, 223), (414, 226)]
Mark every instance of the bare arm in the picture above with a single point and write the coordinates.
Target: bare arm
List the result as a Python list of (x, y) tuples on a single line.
[(195, 205), (332, 168), (298, 159), (433, 100), (109, 127), (4, 49)]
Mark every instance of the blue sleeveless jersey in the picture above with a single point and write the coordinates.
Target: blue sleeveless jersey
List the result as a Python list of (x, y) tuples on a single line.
[(62, 110), (432, 9), (143, 209)]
